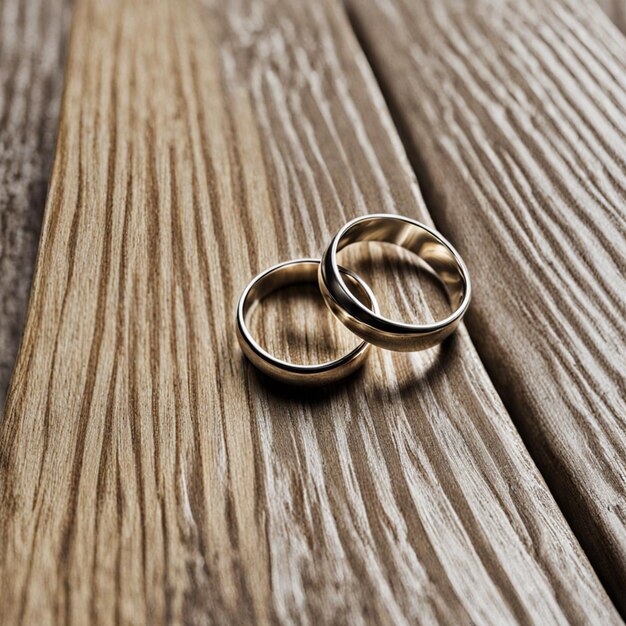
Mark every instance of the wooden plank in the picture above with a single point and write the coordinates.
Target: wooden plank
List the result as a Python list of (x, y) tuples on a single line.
[(515, 116), (147, 474), (32, 40)]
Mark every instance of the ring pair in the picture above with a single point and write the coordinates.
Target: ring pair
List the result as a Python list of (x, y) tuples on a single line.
[(360, 314)]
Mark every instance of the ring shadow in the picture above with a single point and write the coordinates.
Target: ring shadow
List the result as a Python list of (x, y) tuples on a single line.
[(315, 396)]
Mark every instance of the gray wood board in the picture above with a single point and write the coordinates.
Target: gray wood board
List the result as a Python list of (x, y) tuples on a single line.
[(32, 41)]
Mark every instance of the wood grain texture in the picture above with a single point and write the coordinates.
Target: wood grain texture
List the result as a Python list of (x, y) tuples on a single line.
[(515, 116), (32, 41), (147, 474)]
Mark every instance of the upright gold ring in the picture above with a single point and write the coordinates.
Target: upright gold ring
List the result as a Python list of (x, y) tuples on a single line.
[(291, 272), (434, 251)]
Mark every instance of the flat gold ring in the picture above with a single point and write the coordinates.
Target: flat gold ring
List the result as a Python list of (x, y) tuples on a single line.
[(433, 250), (291, 272)]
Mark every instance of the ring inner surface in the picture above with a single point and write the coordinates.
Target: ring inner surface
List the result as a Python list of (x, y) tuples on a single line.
[(292, 274), (435, 255), (282, 276)]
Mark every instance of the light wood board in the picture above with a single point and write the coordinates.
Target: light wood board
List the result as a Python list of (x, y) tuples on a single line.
[(147, 474), (515, 118)]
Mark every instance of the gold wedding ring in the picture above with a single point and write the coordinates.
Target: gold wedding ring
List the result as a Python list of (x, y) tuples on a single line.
[(291, 272), (432, 249), (359, 313)]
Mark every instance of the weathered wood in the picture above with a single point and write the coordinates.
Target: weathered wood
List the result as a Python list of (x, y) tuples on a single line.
[(32, 40), (147, 474), (515, 115)]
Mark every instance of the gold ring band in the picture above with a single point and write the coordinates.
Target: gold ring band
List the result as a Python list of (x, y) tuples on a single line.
[(297, 271), (433, 250)]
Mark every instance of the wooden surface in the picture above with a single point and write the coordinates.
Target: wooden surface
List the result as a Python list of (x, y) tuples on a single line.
[(147, 474), (32, 40), (515, 116)]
